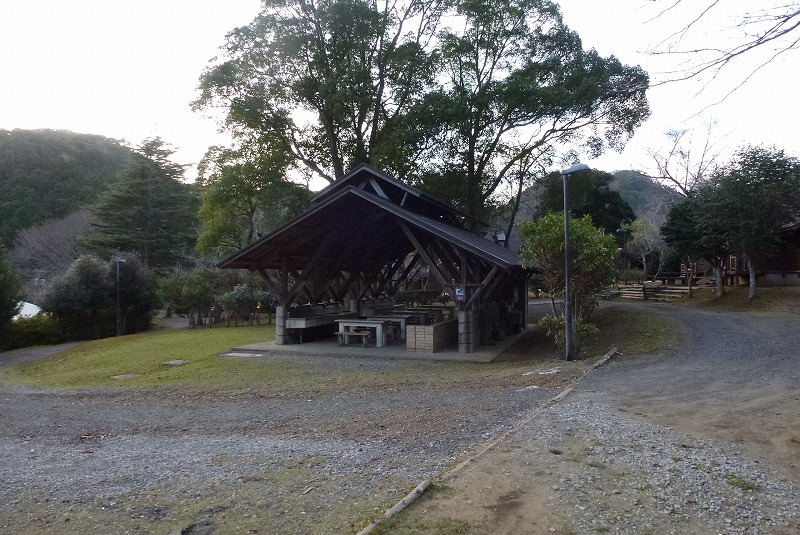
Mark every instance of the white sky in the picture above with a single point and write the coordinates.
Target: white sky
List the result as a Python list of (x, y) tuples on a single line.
[(128, 70)]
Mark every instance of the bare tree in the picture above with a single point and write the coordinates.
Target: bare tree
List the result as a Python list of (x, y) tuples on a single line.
[(53, 245), (768, 26), (683, 163), (645, 240)]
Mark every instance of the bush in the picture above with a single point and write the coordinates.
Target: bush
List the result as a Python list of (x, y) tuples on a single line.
[(584, 332), (38, 330), (593, 259), (87, 299), (421, 297), (631, 275), (10, 293)]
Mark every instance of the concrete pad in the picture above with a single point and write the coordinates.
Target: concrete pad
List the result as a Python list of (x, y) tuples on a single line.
[(330, 347)]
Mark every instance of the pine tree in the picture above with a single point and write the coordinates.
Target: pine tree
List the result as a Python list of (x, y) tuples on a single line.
[(149, 212)]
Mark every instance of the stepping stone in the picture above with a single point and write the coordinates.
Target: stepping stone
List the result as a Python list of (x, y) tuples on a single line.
[(127, 376), (176, 362), (241, 354)]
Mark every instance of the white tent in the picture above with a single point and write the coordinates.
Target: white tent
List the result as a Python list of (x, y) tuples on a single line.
[(27, 310)]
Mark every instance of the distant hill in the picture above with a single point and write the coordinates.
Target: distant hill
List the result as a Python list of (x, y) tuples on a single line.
[(45, 174), (649, 199)]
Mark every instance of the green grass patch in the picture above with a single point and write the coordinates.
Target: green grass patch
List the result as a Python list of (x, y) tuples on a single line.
[(634, 331), (740, 482), (95, 363), (735, 299), (409, 522)]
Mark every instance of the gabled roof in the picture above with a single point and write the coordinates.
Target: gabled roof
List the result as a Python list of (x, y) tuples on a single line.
[(353, 229), (395, 191)]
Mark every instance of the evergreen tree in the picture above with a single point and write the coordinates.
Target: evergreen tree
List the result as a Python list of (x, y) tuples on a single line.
[(148, 212), (589, 194)]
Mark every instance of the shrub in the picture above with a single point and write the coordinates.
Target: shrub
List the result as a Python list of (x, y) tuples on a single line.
[(87, 298), (38, 330), (555, 329), (631, 275), (421, 297)]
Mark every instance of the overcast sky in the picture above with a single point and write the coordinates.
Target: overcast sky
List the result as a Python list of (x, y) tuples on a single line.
[(128, 70)]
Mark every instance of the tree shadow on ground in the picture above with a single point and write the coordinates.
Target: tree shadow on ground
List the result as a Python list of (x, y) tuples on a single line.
[(533, 345)]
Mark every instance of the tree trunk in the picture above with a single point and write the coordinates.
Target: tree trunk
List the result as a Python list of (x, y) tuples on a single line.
[(718, 280), (751, 267), (689, 275)]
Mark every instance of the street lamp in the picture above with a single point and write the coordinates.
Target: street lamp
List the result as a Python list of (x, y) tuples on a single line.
[(117, 260), (570, 350)]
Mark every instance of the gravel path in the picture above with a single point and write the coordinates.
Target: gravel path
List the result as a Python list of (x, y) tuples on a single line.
[(157, 461), (703, 438)]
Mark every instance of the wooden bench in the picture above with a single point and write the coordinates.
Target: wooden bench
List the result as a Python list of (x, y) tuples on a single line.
[(344, 337)]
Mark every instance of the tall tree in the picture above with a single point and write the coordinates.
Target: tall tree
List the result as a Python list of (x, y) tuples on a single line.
[(589, 194), (757, 194), (683, 233), (517, 82), (148, 212), (347, 81), (245, 195), (684, 164), (324, 76), (645, 241)]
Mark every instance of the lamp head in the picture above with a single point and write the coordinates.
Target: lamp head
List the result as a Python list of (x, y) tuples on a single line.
[(575, 168)]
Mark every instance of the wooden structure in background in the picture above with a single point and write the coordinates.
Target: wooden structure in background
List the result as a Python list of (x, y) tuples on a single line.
[(364, 235)]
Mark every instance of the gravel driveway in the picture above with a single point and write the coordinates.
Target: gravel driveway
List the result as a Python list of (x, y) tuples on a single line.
[(120, 460), (703, 438)]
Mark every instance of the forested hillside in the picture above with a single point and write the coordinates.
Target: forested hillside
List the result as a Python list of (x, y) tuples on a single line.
[(649, 199), (46, 174)]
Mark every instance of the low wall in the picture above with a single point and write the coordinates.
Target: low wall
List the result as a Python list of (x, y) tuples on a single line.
[(432, 338)]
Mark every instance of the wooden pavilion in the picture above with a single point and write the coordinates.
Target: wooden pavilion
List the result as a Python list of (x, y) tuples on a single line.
[(355, 247)]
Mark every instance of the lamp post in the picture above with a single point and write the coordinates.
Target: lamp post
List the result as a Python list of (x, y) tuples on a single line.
[(117, 260), (565, 174)]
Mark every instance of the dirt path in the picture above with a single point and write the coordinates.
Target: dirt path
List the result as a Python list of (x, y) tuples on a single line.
[(22, 356), (736, 377), (703, 438)]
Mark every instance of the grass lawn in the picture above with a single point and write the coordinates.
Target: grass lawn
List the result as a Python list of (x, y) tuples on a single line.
[(141, 358), (95, 363)]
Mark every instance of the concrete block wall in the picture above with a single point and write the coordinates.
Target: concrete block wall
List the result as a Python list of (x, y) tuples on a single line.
[(431, 338), (469, 331)]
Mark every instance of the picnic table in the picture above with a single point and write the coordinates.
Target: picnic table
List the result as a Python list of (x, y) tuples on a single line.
[(301, 323), (356, 327), (400, 319)]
